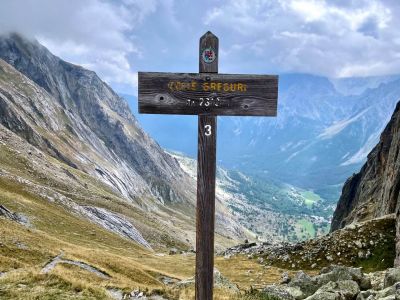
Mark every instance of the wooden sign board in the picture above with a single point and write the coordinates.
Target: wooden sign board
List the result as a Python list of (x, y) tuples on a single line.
[(208, 93)]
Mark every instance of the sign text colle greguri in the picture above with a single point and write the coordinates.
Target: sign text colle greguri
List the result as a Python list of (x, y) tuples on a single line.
[(208, 95)]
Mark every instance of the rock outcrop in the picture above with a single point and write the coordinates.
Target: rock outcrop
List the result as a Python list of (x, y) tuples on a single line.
[(76, 105), (374, 191), (369, 244), (338, 283), (6, 213)]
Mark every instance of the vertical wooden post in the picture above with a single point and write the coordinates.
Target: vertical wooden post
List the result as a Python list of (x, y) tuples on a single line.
[(206, 169)]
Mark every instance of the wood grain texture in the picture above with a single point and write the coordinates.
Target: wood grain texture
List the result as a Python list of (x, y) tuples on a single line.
[(205, 210), (205, 216), (162, 93)]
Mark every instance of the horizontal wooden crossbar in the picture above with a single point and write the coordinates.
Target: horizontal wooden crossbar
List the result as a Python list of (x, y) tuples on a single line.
[(208, 94)]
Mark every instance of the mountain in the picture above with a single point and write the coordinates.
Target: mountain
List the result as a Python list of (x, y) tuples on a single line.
[(374, 191), (71, 139), (323, 132)]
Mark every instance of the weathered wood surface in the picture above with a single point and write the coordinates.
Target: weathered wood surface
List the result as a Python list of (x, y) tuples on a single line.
[(206, 170), (205, 215), (208, 93)]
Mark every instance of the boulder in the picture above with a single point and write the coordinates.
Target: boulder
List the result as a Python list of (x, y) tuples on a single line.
[(339, 273), (284, 292), (377, 279), (387, 293), (222, 281), (305, 283), (219, 281), (323, 296), (173, 251), (341, 290), (391, 277), (285, 278)]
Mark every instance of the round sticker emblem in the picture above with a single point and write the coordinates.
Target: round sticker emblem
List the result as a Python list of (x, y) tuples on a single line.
[(208, 55)]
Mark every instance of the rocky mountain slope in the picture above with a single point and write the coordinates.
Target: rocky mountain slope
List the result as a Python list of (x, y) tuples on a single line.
[(374, 191), (69, 138)]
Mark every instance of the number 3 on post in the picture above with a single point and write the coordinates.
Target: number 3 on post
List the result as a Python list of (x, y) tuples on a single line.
[(208, 130)]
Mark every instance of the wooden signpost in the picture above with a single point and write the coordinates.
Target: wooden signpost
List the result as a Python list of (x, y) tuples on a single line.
[(207, 94)]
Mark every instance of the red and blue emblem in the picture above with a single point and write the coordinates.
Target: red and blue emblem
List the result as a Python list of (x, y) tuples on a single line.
[(208, 55)]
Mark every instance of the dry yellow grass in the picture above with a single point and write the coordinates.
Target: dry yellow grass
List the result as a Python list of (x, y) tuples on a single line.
[(130, 266), (24, 251)]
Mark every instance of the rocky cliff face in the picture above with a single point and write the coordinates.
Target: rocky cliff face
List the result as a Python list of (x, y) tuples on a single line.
[(67, 112), (85, 108), (374, 191)]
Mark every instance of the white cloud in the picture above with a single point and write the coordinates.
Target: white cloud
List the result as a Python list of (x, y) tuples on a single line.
[(91, 33), (332, 38), (116, 38)]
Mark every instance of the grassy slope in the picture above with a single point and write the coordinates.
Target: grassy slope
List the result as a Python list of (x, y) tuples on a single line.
[(55, 229), (23, 252)]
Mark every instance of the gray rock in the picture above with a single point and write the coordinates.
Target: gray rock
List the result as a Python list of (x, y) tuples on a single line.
[(391, 277), (114, 222), (168, 280), (324, 296), (391, 297), (285, 278), (377, 279), (115, 294), (366, 295), (343, 290), (20, 218), (388, 292), (219, 281), (282, 292), (305, 283), (173, 251), (338, 273)]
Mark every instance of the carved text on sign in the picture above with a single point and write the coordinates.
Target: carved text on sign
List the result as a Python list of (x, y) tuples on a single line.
[(207, 86)]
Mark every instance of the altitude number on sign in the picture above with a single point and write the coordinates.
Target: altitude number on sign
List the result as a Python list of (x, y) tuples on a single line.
[(206, 102)]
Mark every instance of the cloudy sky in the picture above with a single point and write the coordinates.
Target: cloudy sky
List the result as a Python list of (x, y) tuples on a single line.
[(335, 38)]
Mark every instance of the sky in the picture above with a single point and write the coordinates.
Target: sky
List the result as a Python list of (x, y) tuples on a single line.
[(333, 38)]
